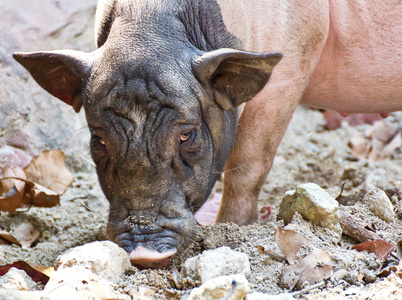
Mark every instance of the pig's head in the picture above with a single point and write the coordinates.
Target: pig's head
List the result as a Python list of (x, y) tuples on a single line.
[(162, 116)]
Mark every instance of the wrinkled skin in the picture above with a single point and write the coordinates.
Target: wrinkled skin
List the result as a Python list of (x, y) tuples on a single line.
[(161, 96)]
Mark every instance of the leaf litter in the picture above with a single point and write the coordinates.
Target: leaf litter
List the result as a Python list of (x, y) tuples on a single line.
[(39, 184)]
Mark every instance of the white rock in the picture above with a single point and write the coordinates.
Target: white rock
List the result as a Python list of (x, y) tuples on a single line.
[(216, 262), (105, 259), (313, 203), (380, 205), (233, 287), (79, 283), (261, 296), (20, 295), (16, 279)]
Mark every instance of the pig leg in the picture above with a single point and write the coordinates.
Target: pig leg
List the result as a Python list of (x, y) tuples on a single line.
[(260, 131)]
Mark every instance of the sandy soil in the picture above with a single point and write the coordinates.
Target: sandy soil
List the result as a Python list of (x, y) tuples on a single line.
[(308, 153)]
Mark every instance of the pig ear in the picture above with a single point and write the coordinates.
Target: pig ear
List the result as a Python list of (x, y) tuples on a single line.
[(236, 76), (62, 73)]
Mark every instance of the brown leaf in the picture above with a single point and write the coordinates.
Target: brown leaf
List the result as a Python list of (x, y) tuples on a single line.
[(43, 269), (311, 269), (379, 247), (12, 189), (7, 238), (387, 271), (289, 278), (289, 242), (26, 234), (271, 253), (10, 201), (44, 197), (49, 170), (31, 272), (7, 184)]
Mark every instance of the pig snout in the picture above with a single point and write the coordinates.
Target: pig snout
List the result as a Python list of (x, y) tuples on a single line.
[(151, 238), (145, 258), (149, 246)]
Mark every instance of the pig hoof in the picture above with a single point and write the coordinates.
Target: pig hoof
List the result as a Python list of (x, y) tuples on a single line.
[(145, 258)]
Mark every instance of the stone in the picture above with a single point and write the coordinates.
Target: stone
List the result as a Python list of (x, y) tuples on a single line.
[(379, 204), (313, 203), (105, 259), (232, 287), (16, 279), (20, 295), (216, 262), (78, 282)]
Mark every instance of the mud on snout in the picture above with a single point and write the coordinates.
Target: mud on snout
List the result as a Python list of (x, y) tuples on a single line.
[(152, 237)]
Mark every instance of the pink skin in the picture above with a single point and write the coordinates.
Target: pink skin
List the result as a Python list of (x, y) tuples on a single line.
[(144, 258), (206, 215), (338, 55)]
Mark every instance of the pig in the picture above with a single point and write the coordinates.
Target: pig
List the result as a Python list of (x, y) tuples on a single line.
[(179, 90)]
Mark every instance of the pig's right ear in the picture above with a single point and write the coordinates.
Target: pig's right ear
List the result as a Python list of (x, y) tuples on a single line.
[(62, 73)]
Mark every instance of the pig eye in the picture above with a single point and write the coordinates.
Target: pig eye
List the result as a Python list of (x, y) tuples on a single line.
[(185, 136), (98, 139)]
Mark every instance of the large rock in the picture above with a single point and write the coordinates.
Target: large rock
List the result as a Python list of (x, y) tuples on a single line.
[(379, 204), (233, 287), (31, 120), (216, 262), (313, 203), (105, 259), (79, 283), (16, 279)]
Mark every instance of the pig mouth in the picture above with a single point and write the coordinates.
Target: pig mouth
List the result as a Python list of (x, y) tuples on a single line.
[(150, 250)]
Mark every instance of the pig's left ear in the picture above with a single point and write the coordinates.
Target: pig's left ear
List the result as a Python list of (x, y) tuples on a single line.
[(62, 73), (235, 76)]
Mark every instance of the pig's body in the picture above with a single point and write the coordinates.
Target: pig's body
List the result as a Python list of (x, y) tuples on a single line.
[(338, 55), (161, 98)]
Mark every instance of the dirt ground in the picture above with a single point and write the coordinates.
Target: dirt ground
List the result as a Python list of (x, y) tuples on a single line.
[(308, 153)]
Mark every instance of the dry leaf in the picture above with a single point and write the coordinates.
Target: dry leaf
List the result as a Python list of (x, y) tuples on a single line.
[(377, 142), (49, 170), (48, 271), (12, 190), (11, 201), (289, 278), (379, 247), (387, 271), (311, 269), (271, 253), (44, 197), (289, 242), (7, 238), (26, 234), (36, 275), (7, 184)]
